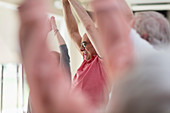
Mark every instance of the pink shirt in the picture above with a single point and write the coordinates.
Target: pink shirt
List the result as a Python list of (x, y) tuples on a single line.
[(91, 80)]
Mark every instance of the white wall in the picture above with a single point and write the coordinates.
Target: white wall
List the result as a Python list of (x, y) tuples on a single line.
[(9, 47), (9, 26), (148, 1)]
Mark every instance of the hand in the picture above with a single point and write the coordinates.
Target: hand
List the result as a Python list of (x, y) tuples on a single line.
[(53, 23)]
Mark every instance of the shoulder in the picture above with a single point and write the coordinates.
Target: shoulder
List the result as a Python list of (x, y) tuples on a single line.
[(141, 46)]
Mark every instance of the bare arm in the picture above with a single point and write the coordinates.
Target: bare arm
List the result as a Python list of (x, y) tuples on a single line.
[(49, 91), (32, 31), (42, 72), (64, 56), (88, 25), (71, 24), (60, 39), (117, 46)]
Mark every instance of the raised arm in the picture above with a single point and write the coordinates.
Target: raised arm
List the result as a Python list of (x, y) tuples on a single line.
[(71, 24), (60, 39), (64, 56), (42, 70), (49, 91), (117, 46), (88, 25)]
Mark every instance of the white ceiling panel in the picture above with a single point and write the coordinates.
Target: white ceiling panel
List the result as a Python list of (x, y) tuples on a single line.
[(148, 1)]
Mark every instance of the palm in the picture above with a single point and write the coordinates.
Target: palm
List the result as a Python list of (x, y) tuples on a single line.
[(53, 23)]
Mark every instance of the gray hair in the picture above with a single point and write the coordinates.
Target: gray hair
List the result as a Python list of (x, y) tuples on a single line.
[(146, 89), (154, 26)]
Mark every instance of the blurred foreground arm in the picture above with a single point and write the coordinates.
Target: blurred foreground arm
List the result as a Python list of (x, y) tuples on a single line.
[(49, 90), (114, 34), (41, 70)]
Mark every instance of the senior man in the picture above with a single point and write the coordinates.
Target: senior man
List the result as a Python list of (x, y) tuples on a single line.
[(90, 78)]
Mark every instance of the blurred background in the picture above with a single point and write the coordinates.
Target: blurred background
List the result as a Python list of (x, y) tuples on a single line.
[(13, 87)]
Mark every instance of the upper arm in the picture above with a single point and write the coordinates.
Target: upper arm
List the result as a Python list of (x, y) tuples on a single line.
[(77, 40), (65, 59), (72, 26)]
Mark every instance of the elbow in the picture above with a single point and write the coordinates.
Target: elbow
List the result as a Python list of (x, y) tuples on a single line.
[(89, 28), (73, 31), (73, 35)]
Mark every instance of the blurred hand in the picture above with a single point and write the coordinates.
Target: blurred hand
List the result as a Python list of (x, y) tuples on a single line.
[(114, 35)]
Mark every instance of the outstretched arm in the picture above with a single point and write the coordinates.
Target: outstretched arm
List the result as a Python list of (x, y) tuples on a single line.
[(44, 76), (48, 89), (88, 25), (64, 56), (60, 39), (71, 24), (117, 46)]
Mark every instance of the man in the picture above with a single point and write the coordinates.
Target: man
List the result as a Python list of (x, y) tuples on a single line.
[(153, 27), (93, 46), (90, 77)]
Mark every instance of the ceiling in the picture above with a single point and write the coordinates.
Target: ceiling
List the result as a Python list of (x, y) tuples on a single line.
[(56, 6), (53, 9), (148, 1), (136, 4)]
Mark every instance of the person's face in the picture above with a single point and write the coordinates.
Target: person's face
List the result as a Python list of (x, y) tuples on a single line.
[(87, 48)]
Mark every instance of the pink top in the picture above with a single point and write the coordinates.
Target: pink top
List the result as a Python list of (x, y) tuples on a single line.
[(91, 80)]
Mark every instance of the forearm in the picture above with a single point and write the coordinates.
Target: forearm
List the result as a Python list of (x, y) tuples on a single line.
[(33, 29), (60, 39), (69, 18), (81, 13), (71, 25)]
